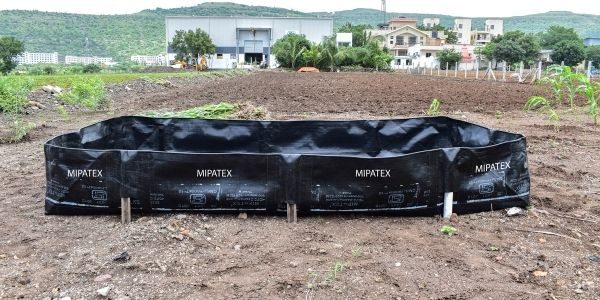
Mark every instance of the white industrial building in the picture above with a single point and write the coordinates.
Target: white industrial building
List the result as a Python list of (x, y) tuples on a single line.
[(86, 60), (246, 40), (343, 39), (150, 60), (29, 58)]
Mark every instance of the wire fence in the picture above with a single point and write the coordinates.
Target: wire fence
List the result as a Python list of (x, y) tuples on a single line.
[(504, 73)]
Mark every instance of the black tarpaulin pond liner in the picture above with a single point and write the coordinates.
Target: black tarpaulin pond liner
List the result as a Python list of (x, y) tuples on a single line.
[(399, 166)]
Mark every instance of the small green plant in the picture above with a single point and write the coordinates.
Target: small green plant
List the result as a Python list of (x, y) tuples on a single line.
[(499, 114), (62, 111), (542, 104), (86, 91), (18, 129), (493, 248), (448, 230), (13, 94), (357, 252), (590, 90), (434, 107)]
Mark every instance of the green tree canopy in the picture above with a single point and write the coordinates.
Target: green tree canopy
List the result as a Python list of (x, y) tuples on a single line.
[(289, 50), (449, 56), (557, 34), (359, 33), (191, 43), (9, 49), (593, 53), (513, 47), (571, 52)]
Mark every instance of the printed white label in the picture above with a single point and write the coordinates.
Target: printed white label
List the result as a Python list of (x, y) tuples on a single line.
[(213, 173), (503, 165), (84, 173), (364, 173)]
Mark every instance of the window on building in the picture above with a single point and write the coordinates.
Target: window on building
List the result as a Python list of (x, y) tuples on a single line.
[(427, 54), (391, 37), (459, 35), (459, 26), (492, 27), (219, 55), (412, 40), (399, 40)]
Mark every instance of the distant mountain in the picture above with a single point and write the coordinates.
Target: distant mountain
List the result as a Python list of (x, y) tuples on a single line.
[(121, 36)]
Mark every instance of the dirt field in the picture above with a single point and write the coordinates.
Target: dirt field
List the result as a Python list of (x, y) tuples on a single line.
[(493, 256)]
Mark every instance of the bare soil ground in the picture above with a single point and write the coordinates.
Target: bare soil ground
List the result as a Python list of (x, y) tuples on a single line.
[(222, 256)]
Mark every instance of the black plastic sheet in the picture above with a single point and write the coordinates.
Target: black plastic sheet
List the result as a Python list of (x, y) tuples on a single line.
[(397, 166)]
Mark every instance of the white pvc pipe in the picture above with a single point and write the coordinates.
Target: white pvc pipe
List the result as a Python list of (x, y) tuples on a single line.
[(448, 202)]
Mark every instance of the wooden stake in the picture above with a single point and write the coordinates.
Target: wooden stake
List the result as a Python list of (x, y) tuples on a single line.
[(125, 210), (292, 213), (448, 202)]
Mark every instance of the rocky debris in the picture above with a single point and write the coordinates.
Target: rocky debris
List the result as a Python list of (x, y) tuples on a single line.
[(36, 105), (103, 291), (539, 273), (515, 211), (397, 264), (24, 281), (178, 236), (243, 216), (103, 277), (121, 258), (61, 255), (237, 247), (293, 264), (52, 89), (595, 258), (180, 216)]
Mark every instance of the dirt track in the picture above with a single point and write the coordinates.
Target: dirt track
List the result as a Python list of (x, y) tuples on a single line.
[(385, 257)]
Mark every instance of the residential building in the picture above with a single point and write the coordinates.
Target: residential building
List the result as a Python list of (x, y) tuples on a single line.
[(495, 27), (591, 41), (401, 33), (29, 58), (425, 56), (462, 27), (150, 60), (431, 22), (246, 40), (86, 60), (343, 39)]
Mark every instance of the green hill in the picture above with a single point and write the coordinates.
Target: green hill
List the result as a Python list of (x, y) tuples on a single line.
[(120, 36)]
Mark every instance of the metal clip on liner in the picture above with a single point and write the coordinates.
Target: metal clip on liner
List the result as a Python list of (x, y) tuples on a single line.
[(402, 166)]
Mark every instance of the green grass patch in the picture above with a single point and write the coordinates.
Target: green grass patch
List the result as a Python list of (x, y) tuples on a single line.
[(87, 92), (66, 81), (13, 94)]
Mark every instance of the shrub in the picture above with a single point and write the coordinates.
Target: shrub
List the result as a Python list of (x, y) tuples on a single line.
[(13, 93), (17, 129), (49, 70), (92, 68), (86, 91)]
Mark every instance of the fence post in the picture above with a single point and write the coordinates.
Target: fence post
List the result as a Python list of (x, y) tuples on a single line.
[(504, 71), (521, 71), (562, 63), (431, 71), (438, 70), (539, 71), (477, 69), (465, 71), (446, 69), (456, 69), (589, 70)]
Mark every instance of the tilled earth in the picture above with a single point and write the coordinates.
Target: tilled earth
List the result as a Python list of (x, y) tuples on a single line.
[(192, 256)]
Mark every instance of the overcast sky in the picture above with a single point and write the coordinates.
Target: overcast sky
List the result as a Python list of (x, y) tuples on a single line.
[(466, 8)]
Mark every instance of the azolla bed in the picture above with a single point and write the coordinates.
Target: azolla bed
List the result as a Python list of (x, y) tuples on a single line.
[(400, 166)]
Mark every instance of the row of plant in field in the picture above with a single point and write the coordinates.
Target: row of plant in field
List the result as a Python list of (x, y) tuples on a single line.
[(566, 85)]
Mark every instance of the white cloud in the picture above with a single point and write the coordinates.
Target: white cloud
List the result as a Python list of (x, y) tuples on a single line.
[(467, 8)]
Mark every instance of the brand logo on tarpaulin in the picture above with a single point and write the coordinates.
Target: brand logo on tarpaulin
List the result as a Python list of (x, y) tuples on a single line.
[(93, 173), (213, 173), (368, 173), (503, 165)]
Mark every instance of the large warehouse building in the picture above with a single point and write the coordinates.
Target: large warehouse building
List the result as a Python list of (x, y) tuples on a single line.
[(246, 40)]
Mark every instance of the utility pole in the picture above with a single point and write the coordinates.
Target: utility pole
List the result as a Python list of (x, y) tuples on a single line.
[(383, 12)]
